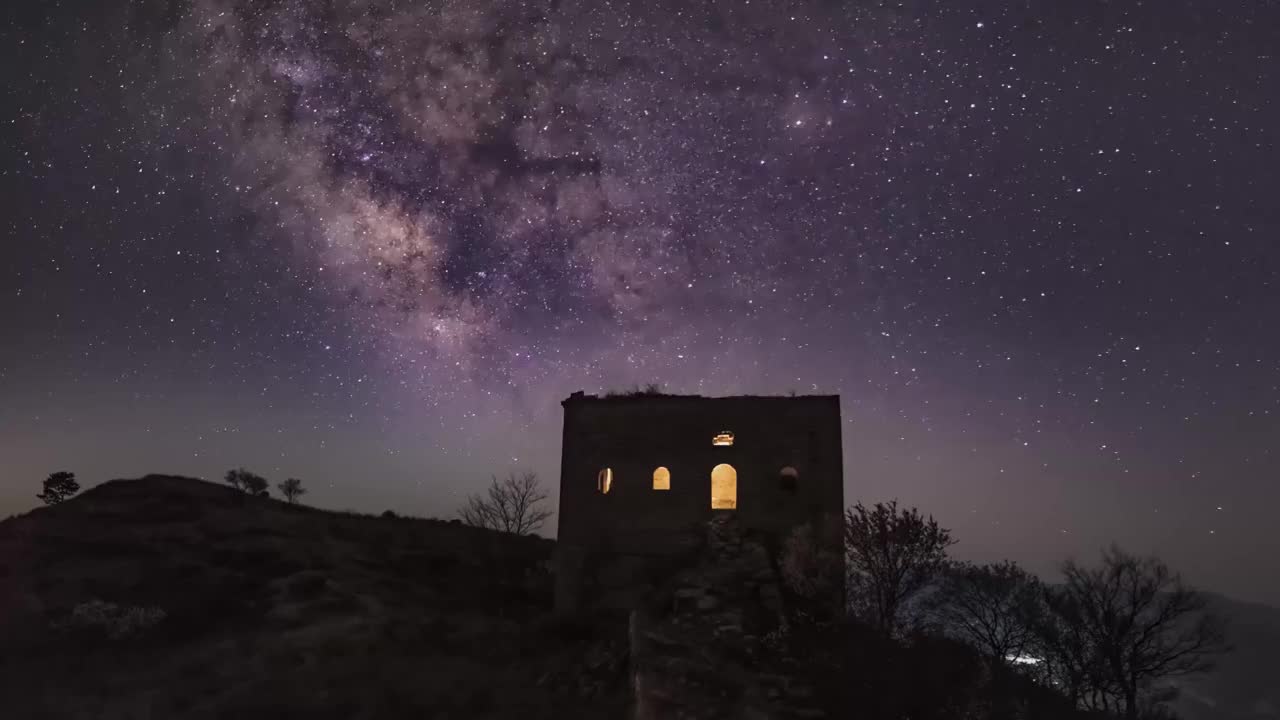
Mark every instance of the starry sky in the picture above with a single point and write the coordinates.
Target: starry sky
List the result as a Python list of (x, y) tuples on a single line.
[(373, 243)]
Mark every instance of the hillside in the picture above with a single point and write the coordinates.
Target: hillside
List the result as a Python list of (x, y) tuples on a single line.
[(1246, 682), (271, 610), (170, 597)]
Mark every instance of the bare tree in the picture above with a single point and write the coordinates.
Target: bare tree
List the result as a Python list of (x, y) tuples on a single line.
[(1142, 622), (993, 608), (292, 489), (512, 505), (1068, 655), (58, 487), (246, 482), (892, 555)]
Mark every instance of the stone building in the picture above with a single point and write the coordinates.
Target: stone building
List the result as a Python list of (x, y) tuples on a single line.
[(642, 474)]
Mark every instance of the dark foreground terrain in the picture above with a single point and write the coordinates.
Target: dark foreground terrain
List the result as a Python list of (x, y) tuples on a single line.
[(169, 597), (224, 605)]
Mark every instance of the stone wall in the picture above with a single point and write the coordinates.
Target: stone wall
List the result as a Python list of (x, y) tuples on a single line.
[(705, 645), (635, 530)]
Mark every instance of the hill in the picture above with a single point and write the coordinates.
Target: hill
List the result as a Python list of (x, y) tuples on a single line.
[(1246, 682), (173, 597)]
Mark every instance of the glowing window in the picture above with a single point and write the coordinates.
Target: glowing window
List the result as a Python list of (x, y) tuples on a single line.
[(662, 479), (723, 439), (724, 487), (604, 480)]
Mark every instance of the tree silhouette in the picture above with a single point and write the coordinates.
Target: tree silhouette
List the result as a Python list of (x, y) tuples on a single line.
[(892, 555), (1141, 624), (1069, 659), (292, 489), (993, 608), (58, 487), (512, 505), (246, 482)]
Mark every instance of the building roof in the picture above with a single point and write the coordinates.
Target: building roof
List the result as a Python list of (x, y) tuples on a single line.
[(646, 395)]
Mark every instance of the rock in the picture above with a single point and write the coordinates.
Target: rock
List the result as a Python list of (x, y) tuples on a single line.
[(730, 629), (771, 597), (700, 655)]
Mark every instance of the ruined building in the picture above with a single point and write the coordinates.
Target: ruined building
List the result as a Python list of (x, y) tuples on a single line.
[(642, 474)]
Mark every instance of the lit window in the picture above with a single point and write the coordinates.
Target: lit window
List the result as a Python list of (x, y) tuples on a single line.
[(662, 479), (724, 487), (723, 439), (604, 480)]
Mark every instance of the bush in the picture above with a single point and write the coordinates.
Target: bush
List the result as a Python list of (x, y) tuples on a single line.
[(247, 482)]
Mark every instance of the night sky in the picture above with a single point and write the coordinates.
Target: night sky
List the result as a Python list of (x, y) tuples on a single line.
[(372, 244)]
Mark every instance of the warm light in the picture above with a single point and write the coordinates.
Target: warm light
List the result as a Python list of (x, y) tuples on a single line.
[(724, 487), (604, 480), (662, 479), (723, 439)]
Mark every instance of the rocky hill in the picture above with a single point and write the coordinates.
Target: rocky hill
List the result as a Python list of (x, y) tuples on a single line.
[(169, 597)]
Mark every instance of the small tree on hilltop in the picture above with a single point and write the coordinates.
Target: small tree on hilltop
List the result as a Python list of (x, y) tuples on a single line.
[(292, 489), (246, 482), (993, 608), (513, 505), (58, 487), (892, 555)]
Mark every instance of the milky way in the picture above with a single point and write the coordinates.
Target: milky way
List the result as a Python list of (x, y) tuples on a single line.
[(498, 182), (373, 243)]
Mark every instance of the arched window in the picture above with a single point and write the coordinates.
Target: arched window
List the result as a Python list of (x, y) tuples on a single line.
[(662, 479), (604, 481), (722, 439), (789, 478), (724, 487)]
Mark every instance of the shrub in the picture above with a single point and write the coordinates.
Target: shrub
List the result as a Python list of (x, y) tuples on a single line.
[(246, 482)]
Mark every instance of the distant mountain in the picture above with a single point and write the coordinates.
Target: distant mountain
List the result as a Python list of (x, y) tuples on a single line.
[(1246, 683)]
